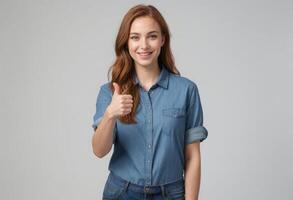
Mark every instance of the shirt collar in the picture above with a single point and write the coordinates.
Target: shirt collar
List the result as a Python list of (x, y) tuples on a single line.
[(162, 80)]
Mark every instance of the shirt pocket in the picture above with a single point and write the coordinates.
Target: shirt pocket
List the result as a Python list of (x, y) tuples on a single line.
[(173, 120), (174, 112)]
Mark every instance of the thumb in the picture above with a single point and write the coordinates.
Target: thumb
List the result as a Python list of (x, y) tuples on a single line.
[(116, 88)]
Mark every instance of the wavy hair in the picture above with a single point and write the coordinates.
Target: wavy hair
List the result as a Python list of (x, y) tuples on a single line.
[(123, 68)]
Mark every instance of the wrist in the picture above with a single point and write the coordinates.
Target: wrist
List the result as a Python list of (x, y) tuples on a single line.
[(109, 114)]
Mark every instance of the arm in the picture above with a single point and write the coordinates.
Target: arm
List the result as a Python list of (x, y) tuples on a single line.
[(103, 137), (108, 110), (192, 171)]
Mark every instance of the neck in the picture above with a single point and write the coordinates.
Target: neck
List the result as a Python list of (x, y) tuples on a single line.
[(147, 76)]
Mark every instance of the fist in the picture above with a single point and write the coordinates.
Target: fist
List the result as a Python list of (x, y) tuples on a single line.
[(121, 104)]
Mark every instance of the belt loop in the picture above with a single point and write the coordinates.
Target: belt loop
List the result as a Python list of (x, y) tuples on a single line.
[(127, 184), (163, 190)]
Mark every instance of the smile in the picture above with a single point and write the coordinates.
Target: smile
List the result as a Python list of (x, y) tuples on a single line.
[(144, 55)]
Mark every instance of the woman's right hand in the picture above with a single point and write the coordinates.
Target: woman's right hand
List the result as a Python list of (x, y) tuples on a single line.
[(121, 104)]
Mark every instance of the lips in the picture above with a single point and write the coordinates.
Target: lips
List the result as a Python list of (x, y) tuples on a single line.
[(145, 53)]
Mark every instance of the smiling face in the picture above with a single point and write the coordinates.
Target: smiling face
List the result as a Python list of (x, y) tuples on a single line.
[(145, 42)]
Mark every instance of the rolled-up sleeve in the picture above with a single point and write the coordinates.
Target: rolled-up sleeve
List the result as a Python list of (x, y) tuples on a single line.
[(104, 98), (195, 131)]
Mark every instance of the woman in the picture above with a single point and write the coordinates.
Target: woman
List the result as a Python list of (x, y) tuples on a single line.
[(151, 114)]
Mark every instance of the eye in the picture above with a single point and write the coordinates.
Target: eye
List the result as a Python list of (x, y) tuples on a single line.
[(153, 36), (134, 37)]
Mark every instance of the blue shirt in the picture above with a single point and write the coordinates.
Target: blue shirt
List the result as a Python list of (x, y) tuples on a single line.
[(169, 117)]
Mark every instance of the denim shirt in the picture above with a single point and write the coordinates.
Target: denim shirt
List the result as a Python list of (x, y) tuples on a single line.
[(168, 117)]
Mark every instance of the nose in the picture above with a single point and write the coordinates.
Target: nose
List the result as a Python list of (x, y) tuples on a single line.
[(144, 43)]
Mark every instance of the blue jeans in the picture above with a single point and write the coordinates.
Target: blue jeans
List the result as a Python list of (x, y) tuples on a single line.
[(117, 188)]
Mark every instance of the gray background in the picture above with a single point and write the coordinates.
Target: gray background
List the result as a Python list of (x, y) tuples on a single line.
[(54, 55)]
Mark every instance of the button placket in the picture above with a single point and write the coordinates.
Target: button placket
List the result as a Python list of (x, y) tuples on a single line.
[(149, 138)]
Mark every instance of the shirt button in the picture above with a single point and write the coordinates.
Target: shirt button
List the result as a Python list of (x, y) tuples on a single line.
[(149, 146)]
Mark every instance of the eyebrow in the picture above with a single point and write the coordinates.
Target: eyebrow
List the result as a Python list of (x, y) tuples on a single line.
[(147, 33)]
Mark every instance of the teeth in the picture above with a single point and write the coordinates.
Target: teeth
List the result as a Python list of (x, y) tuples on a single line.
[(145, 53)]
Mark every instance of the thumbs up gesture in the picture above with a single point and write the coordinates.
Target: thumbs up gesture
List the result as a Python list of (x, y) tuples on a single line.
[(116, 89), (121, 104)]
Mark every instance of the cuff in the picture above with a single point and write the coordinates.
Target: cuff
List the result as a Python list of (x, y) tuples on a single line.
[(195, 134), (96, 123)]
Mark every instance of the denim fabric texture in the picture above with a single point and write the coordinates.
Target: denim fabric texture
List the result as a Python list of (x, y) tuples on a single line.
[(169, 116), (117, 188)]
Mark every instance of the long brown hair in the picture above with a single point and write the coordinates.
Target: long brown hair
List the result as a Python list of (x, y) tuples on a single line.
[(123, 67)]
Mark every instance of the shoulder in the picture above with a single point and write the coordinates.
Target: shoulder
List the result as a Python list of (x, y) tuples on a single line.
[(181, 82), (105, 88)]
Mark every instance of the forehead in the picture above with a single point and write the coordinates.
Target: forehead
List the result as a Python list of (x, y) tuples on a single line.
[(144, 25)]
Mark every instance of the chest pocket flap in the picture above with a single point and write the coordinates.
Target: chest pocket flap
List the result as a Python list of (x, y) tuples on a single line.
[(174, 112)]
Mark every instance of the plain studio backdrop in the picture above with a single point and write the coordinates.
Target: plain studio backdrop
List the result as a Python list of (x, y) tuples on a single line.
[(54, 55)]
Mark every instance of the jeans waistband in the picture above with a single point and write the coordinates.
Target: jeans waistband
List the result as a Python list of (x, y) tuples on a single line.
[(148, 189)]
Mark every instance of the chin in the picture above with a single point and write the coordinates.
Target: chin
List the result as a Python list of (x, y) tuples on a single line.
[(144, 63)]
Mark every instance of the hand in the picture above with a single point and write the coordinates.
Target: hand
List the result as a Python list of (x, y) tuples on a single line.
[(121, 104)]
